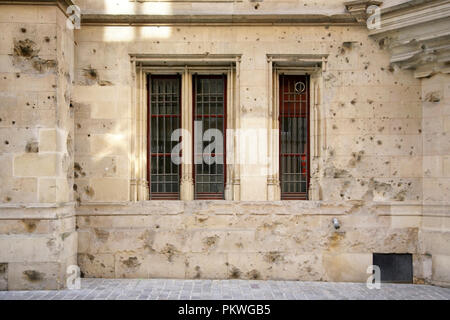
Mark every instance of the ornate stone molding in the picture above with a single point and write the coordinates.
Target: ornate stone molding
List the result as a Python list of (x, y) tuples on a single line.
[(417, 33), (358, 9)]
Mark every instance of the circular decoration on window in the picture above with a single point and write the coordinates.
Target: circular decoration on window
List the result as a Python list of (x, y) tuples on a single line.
[(299, 87)]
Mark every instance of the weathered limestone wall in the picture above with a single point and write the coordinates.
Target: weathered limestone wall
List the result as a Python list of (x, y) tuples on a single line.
[(372, 144), (243, 240), (381, 165), (435, 230), (37, 222), (368, 167)]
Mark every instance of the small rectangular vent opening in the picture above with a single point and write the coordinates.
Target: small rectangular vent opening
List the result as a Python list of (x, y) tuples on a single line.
[(394, 267)]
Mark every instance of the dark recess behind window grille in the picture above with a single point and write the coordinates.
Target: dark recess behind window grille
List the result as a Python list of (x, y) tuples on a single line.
[(394, 267), (210, 108), (164, 117), (294, 136)]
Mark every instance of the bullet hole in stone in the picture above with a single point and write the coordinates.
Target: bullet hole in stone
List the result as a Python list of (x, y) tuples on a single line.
[(169, 251), (32, 147), (256, 6), (273, 257), (254, 274), (334, 127), (17, 75), (391, 69), (23, 30), (379, 142), (432, 97), (347, 60), (13, 122), (198, 273), (33, 275), (75, 187), (131, 262), (89, 191), (78, 126), (47, 39), (89, 135), (347, 44), (369, 101), (353, 101), (211, 241), (6, 142), (8, 199), (235, 273)]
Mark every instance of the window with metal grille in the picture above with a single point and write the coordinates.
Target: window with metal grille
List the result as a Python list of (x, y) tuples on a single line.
[(294, 136), (164, 117), (209, 101)]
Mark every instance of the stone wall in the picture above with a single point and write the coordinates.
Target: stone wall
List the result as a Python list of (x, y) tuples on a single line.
[(381, 161), (37, 219), (371, 111), (435, 231), (245, 240)]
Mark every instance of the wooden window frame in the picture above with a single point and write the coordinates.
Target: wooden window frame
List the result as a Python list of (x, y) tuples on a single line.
[(210, 195), (295, 195), (162, 195)]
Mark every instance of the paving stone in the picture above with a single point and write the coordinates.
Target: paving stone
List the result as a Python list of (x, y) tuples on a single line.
[(162, 289)]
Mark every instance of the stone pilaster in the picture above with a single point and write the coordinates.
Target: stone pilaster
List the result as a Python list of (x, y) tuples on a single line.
[(37, 238)]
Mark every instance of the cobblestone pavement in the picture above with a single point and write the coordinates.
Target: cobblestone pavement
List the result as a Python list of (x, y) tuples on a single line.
[(162, 289)]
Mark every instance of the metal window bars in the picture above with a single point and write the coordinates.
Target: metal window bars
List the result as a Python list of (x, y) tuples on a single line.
[(209, 103), (164, 117), (294, 136)]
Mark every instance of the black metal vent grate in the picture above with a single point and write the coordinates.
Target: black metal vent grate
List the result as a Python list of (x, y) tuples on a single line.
[(394, 267)]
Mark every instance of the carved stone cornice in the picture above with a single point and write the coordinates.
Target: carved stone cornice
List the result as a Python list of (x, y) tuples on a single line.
[(358, 9), (417, 34)]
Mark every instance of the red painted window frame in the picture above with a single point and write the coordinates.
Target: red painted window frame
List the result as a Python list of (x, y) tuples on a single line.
[(295, 195), (161, 195), (210, 195)]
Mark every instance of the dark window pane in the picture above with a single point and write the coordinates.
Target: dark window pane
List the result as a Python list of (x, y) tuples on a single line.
[(164, 118), (294, 117), (209, 108)]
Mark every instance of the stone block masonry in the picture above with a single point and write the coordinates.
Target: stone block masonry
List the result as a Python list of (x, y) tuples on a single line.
[(73, 141)]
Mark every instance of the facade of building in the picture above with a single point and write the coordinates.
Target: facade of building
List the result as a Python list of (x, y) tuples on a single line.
[(217, 139)]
